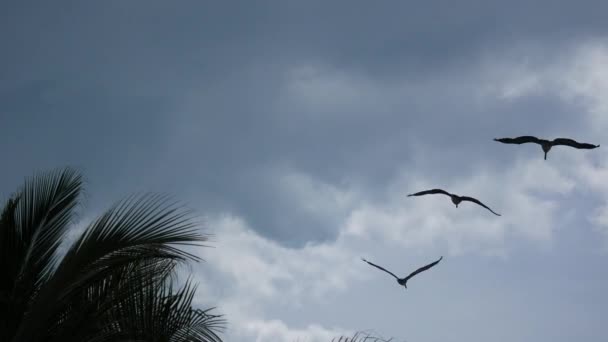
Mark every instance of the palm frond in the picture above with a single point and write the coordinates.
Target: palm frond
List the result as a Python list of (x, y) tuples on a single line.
[(8, 249), (153, 311), (140, 229), (361, 336), (87, 317), (34, 222), (159, 313)]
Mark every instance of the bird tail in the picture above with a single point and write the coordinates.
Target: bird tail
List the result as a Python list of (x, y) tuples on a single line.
[(545, 155)]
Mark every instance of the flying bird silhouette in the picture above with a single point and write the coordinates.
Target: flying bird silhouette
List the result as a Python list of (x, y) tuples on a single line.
[(546, 144), (403, 281), (455, 198)]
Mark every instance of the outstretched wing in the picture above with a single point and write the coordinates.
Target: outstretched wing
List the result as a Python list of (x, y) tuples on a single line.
[(432, 191), (519, 140), (380, 267), (572, 143), (423, 268), (474, 200)]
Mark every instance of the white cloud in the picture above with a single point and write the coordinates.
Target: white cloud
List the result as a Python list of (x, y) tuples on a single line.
[(74, 232), (584, 77), (511, 81), (314, 197), (251, 273), (578, 76), (264, 268), (277, 331), (424, 221)]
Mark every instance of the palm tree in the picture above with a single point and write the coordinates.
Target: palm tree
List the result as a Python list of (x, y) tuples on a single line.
[(361, 336), (116, 282)]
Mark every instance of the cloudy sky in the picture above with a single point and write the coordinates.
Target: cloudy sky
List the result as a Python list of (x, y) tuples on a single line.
[(296, 128)]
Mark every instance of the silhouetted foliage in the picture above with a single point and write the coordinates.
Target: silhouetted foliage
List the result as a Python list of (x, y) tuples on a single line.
[(361, 336), (116, 282)]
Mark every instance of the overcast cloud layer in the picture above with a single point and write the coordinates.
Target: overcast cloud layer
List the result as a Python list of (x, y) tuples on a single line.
[(298, 128)]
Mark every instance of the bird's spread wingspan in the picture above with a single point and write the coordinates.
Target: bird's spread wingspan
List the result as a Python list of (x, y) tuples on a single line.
[(519, 140), (423, 268), (474, 200), (381, 268), (572, 143), (432, 191)]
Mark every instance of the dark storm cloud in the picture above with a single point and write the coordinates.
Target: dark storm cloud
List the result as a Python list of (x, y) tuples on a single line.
[(189, 97), (140, 37)]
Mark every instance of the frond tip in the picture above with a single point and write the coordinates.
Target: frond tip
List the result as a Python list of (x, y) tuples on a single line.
[(361, 336)]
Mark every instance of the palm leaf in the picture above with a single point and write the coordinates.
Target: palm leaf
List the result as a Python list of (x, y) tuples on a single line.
[(87, 316), (34, 222), (158, 313), (146, 308), (361, 336), (141, 229)]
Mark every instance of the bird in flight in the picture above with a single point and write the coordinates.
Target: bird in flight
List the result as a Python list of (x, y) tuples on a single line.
[(403, 281), (455, 198), (546, 144)]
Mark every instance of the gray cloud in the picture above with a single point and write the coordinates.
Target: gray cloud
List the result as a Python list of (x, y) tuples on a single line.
[(206, 94), (297, 116)]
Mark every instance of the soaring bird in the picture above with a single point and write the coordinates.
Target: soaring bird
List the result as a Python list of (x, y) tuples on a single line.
[(546, 144), (455, 198), (403, 281)]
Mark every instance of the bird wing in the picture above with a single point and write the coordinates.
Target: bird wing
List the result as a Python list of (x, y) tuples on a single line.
[(380, 267), (474, 200), (423, 268), (432, 191), (572, 143), (519, 140)]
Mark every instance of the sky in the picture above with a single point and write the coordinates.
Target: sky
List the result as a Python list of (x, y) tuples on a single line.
[(297, 128)]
